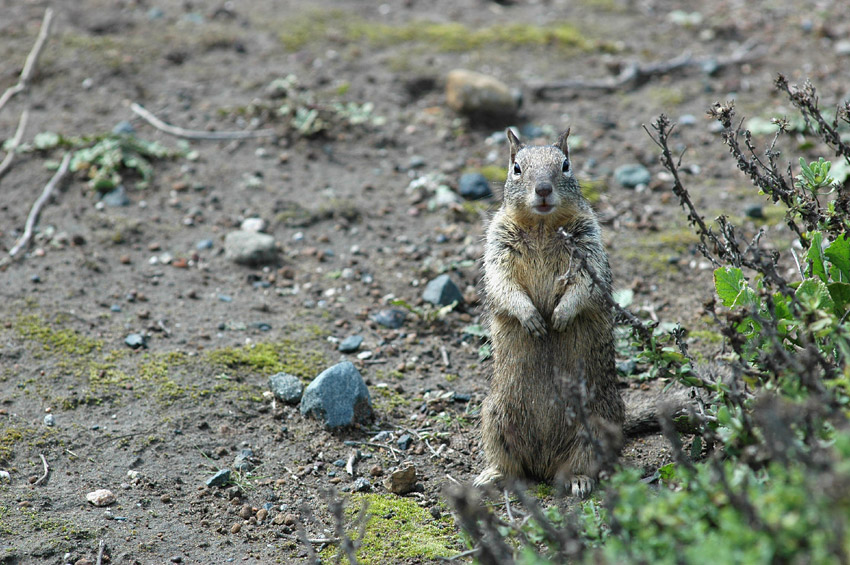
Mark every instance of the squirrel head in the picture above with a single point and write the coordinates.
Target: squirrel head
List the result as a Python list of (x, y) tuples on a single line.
[(540, 182)]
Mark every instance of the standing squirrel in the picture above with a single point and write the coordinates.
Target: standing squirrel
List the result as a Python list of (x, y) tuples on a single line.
[(547, 282)]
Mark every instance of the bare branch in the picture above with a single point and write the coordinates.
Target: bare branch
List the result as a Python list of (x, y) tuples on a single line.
[(46, 471), (32, 59), (6, 164), (196, 134)]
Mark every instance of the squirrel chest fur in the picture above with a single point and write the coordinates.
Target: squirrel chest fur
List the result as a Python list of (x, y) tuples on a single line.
[(548, 298)]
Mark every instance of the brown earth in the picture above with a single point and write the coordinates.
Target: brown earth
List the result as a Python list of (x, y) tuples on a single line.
[(351, 238)]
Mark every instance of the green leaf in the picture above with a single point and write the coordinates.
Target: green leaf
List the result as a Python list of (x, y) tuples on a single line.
[(838, 254), (816, 257), (667, 472), (732, 288), (624, 297), (484, 352), (46, 140), (840, 294), (814, 295), (476, 330)]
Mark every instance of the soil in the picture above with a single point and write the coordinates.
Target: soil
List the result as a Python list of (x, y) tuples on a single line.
[(153, 424)]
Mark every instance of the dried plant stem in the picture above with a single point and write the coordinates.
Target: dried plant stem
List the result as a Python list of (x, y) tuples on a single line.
[(32, 59), (46, 471), (39, 204), (196, 134), (6, 164)]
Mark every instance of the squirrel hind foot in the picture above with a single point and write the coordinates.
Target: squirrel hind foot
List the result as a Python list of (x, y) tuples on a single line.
[(488, 476), (580, 486)]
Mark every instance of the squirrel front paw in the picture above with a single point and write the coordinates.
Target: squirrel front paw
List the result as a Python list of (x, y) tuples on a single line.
[(533, 323), (561, 318)]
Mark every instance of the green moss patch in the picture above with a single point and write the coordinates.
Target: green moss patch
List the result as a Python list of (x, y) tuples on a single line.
[(398, 529), (270, 358), (63, 341)]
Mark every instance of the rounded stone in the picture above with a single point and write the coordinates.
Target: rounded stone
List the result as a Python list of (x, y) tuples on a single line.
[(338, 397), (441, 291), (250, 248), (632, 175), (474, 186), (286, 388)]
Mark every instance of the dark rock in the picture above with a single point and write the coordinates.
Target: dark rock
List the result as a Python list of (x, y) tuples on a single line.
[(286, 388), (243, 461), (350, 344), (461, 397), (633, 175), (627, 367), (404, 442), (339, 463), (474, 186), (755, 211), (441, 291), (338, 397), (136, 341), (250, 248), (391, 318), (116, 198), (361, 484), (219, 479), (416, 162)]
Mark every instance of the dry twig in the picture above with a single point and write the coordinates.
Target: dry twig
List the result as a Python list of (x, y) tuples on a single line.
[(196, 134), (635, 75), (39, 204), (101, 546), (16, 141), (46, 471), (32, 59)]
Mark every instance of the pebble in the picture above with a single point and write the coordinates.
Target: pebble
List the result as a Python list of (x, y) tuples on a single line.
[(136, 341), (49, 420), (350, 344), (627, 367), (5, 477), (754, 211), (631, 176), (480, 96), (376, 471), (101, 497), (262, 514), (219, 479), (361, 484), (165, 498), (338, 397), (253, 225), (204, 244), (843, 47), (404, 442), (123, 127), (235, 528), (289, 519), (402, 481), (339, 463), (416, 162), (279, 519), (391, 318), (115, 308), (245, 512), (250, 248), (441, 291), (286, 388), (116, 198), (242, 461), (474, 186), (687, 120), (383, 435)]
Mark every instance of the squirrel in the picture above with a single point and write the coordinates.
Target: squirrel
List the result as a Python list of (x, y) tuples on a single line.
[(547, 283)]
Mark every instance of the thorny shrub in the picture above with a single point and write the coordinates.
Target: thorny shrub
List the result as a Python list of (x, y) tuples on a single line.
[(767, 476)]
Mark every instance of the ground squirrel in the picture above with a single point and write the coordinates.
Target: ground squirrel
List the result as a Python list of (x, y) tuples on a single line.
[(548, 299)]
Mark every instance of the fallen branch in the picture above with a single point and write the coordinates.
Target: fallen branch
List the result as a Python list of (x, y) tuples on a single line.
[(16, 141), (46, 471), (39, 204), (101, 545), (635, 75), (32, 59), (196, 134)]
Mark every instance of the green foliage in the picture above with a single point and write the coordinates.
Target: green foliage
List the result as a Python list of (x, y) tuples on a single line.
[(428, 314), (270, 358)]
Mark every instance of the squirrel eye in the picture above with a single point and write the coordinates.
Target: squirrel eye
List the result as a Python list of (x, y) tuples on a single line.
[(566, 166), (517, 170)]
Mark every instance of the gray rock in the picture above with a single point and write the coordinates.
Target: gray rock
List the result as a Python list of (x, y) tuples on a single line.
[(402, 481), (631, 176), (250, 248), (391, 318), (49, 420), (361, 484), (480, 96), (754, 211), (204, 244), (404, 442), (116, 198), (136, 341), (474, 186), (219, 479), (338, 397), (843, 47), (441, 291), (351, 344), (124, 127), (286, 388), (243, 461), (627, 367)]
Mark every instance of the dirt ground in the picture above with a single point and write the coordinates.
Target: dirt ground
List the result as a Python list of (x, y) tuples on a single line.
[(153, 424)]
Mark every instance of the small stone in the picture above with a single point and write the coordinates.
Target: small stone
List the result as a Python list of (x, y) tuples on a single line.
[(687, 120), (250, 248), (204, 244), (242, 462), (441, 291), (115, 308), (402, 481), (83, 561), (262, 514), (391, 318), (338, 397), (376, 471), (404, 442), (289, 520), (474, 186), (286, 388), (116, 198), (165, 498), (245, 512), (235, 528), (5, 477), (435, 512), (136, 341), (842, 47), (754, 211), (253, 224), (361, 484), (123, 128), (631, 176), (480, 96), (350, 344), (627, 367), (416, 162), (339, 463), (176, 559), (279, 519), (49, 420), (219, 479), (101, 497)]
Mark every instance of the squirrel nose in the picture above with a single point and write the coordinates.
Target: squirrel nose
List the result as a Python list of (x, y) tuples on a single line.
[(543, 189)]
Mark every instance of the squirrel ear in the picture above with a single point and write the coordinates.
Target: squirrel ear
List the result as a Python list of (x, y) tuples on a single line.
[(562, 142), (516, 144)]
